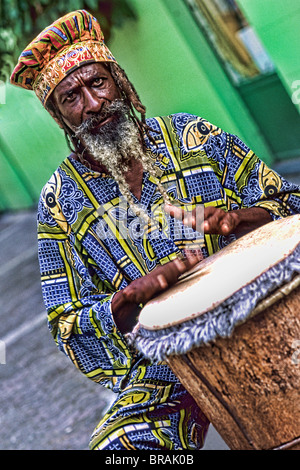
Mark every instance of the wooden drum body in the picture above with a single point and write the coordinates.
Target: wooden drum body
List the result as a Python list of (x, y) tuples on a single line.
[(230, 331)]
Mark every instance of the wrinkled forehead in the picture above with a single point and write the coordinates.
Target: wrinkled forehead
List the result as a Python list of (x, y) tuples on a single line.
[(82, 74)]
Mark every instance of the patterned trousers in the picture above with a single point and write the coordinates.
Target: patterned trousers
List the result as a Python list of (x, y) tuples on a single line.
[(151, 415)]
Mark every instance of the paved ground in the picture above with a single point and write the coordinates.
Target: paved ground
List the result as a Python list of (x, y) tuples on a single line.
[(45, 403)]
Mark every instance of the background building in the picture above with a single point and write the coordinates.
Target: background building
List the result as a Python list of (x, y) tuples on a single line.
[(232, 62)]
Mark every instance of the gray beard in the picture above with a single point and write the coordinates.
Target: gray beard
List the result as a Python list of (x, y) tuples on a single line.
[(114, 144)]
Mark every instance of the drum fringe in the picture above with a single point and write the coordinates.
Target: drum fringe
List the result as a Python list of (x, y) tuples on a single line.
[(157, 344)]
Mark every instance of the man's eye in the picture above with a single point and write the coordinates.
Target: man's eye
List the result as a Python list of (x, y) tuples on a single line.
[(70, 96), (97, 81)]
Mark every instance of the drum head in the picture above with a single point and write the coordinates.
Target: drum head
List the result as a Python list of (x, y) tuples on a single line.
[(224, 289)]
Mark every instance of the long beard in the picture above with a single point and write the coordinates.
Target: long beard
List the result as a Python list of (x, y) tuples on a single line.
[(115, 143)]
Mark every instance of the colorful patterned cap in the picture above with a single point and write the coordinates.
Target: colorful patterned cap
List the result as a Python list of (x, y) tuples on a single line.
[(71, 41)]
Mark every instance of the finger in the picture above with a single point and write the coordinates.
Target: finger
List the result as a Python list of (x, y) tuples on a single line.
[(225, 228), (228, 223), (212, 217), (221, 222), (168, 274), (187, 217), (163, 284), (179, 265), (174, 211), (209, 211)]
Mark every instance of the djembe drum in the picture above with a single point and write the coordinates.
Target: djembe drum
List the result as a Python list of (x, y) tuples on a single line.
[(229, 330)]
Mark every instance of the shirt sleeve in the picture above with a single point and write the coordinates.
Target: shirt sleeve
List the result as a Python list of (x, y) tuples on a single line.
[(79, 312), (256, 184)]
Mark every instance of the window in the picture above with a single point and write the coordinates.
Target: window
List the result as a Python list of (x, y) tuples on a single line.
[(233, 39)]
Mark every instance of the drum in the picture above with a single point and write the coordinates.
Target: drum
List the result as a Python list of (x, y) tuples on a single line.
[(230, 329)]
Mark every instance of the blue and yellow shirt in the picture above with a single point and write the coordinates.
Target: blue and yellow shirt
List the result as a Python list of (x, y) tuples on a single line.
[(91, 244)]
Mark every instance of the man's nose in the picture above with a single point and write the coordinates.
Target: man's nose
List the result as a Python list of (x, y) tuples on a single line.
[(92, 103)]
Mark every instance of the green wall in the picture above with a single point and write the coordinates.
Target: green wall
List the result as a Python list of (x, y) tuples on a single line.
[(173, 69), (31, 148), (277, 23)]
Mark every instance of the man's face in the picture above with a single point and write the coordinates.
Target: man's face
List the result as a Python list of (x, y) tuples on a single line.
[(91, 105), (86, 93)]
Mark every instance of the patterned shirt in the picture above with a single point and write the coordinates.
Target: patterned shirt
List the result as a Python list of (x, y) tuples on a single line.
[(91, 244)]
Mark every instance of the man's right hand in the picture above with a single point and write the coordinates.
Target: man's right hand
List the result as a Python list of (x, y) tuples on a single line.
[(125, 303)]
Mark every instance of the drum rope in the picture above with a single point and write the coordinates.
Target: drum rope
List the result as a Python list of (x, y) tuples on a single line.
[(219, 397), (288, 445)]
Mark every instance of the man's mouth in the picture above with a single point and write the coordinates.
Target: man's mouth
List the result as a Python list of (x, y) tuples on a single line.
[(112, 113), (103, 119), (100, 123)]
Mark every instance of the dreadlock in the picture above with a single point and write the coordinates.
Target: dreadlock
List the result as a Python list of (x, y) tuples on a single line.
[(132, 99)]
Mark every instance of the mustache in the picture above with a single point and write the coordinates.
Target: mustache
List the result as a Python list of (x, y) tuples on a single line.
[(117, 108)]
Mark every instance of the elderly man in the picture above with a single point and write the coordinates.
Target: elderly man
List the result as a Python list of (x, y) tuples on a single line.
[(105, 245)]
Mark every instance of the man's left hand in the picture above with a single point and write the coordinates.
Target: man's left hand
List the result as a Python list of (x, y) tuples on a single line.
[(218, 221)]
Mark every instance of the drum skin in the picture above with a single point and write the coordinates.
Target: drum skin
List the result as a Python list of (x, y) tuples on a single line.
[(248, 385), (246, 380)]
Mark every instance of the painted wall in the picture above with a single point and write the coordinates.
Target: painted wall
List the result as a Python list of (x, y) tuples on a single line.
[(173, 69), (31, 148), (277, 23)]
